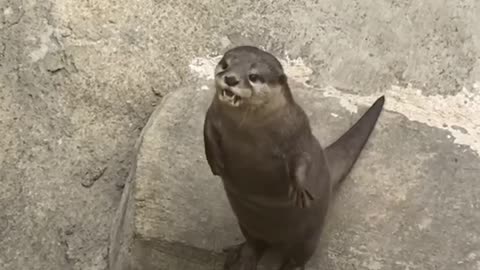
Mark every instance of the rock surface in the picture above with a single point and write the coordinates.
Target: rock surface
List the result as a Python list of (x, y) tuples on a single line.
[(79, 79), (393, 212)]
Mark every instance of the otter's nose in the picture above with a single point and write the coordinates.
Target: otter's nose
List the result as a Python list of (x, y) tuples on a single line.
[(230, 80)]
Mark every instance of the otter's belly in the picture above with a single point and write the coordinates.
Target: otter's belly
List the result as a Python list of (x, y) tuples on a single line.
[(276, 220)]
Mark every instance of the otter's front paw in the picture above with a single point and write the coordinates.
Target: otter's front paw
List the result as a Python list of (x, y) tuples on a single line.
[(300, 196)]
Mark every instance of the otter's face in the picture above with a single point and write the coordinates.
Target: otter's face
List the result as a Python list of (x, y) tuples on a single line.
[(249, 77)]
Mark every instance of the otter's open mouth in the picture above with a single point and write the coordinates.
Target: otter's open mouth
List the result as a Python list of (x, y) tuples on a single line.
[(229, 96)]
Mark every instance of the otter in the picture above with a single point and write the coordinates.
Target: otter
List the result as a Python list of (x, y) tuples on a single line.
[(277, 177)]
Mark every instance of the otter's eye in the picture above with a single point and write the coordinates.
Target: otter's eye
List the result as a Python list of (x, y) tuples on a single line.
[(223, 64), (254, 78)]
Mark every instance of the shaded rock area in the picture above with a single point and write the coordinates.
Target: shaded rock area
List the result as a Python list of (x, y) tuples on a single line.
[(394, 212), (79, 80)]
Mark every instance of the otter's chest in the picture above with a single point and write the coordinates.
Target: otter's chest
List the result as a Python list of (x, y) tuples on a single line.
[(255, 162)]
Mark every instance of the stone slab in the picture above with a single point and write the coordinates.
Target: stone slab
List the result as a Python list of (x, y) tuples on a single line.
[(411, 201)]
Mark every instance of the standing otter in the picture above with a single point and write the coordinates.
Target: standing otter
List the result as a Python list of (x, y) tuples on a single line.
[(277, 177)]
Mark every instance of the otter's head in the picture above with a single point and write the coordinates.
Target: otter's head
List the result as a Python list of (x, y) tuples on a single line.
[(248, 77)]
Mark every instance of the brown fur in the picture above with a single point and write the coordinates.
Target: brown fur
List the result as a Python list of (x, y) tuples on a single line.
[(275, 173)]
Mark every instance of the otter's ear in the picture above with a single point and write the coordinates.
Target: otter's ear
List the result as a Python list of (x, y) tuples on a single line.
[(282, 79)]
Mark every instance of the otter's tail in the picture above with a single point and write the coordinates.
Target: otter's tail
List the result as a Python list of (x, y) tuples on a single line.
[(342, 154)]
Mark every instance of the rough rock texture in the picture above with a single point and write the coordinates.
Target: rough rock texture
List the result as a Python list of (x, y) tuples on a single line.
[(170, 192), (394, 211), (78, 80)]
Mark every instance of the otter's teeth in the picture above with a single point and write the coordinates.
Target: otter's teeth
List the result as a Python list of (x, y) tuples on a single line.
[(228, 93), (231, 97)]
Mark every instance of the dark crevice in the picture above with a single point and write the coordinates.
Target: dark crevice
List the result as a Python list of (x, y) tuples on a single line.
[(55, 71)]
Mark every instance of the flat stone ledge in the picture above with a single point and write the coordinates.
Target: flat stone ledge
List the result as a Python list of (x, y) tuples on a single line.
[(393, 212)]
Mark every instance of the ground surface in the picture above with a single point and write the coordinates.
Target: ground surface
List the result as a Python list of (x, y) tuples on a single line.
[(79, 79)]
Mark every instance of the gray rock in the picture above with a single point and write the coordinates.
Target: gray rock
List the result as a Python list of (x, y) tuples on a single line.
[(78, 80), (393, 212), (173, 212)]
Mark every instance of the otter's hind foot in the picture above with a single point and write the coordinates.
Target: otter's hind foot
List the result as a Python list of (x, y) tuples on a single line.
[(241, 257)]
